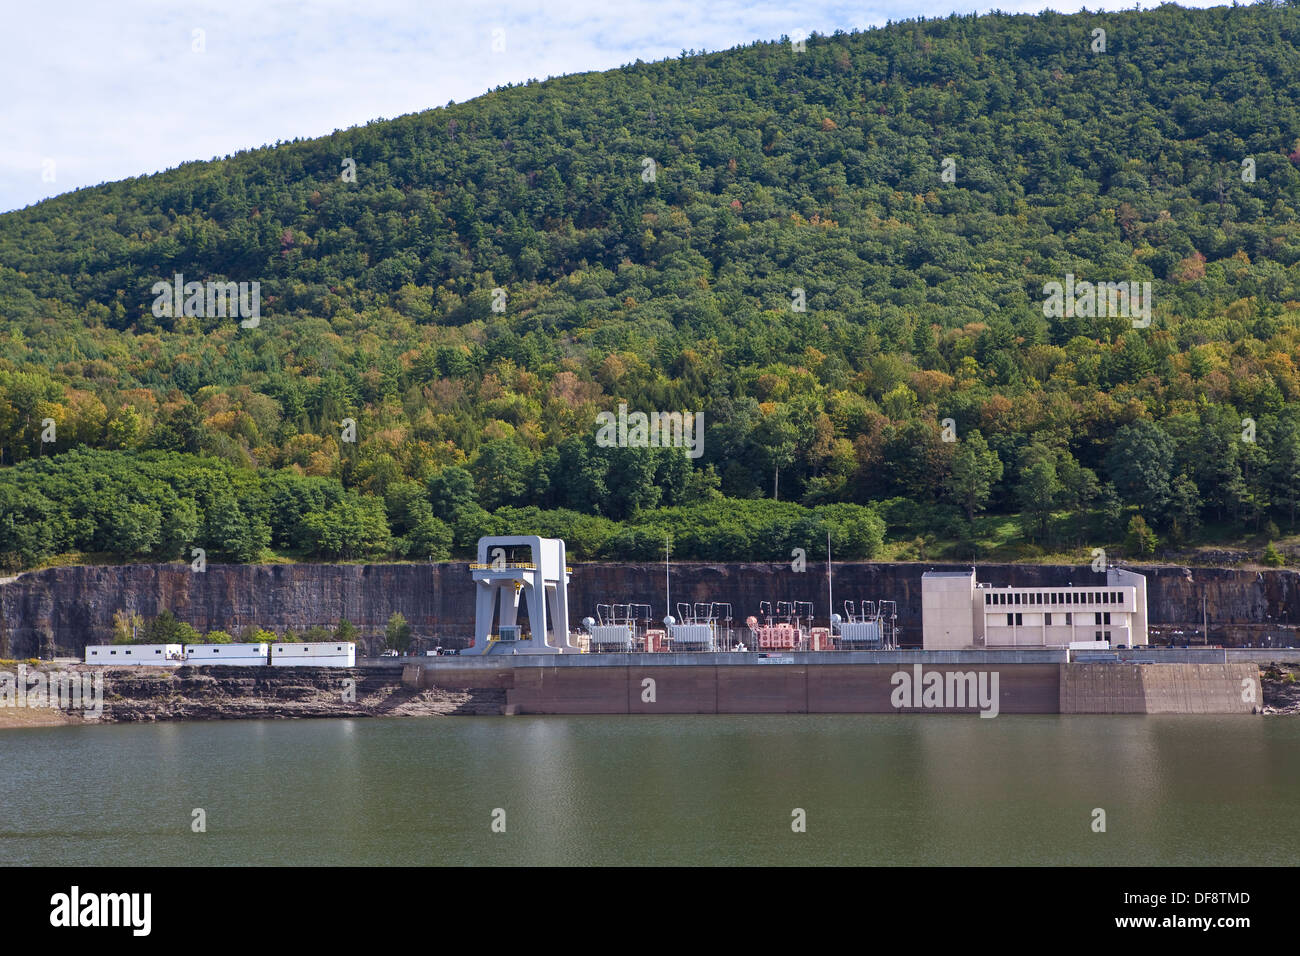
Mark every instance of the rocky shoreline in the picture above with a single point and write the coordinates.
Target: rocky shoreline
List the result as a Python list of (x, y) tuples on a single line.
[(35, 717), (135, 694), (1281, 686)]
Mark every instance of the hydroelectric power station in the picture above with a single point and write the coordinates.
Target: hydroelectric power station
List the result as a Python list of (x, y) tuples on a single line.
[(986, 650)]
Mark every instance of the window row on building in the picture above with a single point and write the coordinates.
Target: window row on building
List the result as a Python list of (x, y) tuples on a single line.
[(1098, 617), (1051, 598)]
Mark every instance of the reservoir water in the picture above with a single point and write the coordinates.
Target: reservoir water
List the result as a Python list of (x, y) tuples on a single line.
[(892, 789)]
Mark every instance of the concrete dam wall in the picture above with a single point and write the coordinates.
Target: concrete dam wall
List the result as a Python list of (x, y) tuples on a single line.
[(1160, 688), (63, 609), (986, 685)]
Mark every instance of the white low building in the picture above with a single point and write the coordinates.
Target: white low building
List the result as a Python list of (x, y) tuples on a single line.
[(135, 655), (230, 655), (314, 654), (957, 612)]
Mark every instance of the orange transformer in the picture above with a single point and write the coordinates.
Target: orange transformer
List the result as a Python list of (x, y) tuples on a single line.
[(777, 637), (784, 627)]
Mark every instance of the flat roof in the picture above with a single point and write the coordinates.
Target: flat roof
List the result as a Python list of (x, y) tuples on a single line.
[(1058, 587)]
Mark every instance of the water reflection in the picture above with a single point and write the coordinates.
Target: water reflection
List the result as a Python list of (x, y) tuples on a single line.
[(876, 789)]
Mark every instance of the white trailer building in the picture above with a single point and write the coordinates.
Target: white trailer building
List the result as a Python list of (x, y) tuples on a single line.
[(229, 655), (314, 654), (135, 655)]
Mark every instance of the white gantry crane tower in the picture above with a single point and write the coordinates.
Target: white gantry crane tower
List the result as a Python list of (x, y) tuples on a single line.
[(540, 581)]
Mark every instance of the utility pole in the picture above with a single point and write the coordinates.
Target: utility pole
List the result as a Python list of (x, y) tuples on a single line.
[(830, 594), (668, 593), (1205, 618)]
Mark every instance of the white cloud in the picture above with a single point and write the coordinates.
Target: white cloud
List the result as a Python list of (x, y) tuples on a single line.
[(109, 91)]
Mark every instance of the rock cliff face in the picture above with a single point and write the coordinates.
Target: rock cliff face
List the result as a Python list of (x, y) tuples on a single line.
[(63, 609)]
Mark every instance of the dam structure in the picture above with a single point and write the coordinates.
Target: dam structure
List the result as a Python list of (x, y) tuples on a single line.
[(974, 660)]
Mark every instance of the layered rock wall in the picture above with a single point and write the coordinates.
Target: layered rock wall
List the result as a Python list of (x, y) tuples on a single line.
[(63, 609)]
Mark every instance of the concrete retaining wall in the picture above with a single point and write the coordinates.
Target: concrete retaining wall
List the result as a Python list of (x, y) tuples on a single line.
[(1160, 689), (748, 689), (621, 685), (1153, 655)]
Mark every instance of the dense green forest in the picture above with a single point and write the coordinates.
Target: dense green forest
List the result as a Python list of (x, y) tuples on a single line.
[(837, 255)]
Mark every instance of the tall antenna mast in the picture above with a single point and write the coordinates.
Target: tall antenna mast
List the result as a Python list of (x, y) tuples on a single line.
[(830, 594), (668, 593)]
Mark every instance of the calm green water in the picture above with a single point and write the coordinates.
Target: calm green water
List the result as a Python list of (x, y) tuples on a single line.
[(669, 790)]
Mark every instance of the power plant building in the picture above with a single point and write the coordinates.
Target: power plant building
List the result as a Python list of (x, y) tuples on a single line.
[(959, 613)]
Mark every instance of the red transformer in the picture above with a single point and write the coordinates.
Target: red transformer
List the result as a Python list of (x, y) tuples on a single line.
[(783, 631)]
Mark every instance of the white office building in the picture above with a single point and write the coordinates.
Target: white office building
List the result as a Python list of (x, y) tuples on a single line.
[(958, 612), (134, 655), (230, 655), (314, 654)]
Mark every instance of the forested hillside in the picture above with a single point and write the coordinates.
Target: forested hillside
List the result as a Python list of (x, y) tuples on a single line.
[(764, 235)]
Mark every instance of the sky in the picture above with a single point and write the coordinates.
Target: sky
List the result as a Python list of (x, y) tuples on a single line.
[(98, 91)]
